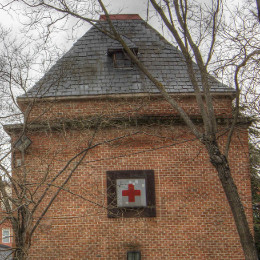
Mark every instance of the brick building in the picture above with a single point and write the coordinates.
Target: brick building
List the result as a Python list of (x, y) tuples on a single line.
[(146, 185)]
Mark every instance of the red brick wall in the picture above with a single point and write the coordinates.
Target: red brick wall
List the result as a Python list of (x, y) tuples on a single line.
[(51, 110), (193, 217)]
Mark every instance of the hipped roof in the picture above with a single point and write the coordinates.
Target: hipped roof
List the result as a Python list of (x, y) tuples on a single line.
[(87, 69)]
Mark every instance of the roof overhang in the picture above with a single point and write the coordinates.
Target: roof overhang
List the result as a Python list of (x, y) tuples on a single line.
[(230, 94), (91, 122)]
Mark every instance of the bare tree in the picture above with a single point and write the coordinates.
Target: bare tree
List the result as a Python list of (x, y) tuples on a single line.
[(258, 9), (179, 17), (23, 198), (34, 190), (176, 17)]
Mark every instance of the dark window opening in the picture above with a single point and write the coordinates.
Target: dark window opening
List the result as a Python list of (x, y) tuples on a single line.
[(121, 59), (134, 255)]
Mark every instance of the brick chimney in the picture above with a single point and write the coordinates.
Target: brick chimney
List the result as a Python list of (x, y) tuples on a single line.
[(121, 17)]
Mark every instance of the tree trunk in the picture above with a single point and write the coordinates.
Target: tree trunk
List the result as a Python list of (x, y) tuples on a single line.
[(220, 162), (22, 245), (20, 254)]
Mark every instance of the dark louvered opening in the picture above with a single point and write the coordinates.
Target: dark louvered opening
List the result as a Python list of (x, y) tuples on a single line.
[(121, 59)]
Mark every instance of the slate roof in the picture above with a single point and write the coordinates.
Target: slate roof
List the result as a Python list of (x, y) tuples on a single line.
[(87, 69), (5, 252)]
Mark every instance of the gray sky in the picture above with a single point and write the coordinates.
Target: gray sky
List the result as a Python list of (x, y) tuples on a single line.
[(13, 20)]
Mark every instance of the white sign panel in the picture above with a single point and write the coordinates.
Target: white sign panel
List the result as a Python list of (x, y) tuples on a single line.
[(131, 192)]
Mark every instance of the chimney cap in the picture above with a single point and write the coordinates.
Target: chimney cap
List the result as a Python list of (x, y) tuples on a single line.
[(121, 17)]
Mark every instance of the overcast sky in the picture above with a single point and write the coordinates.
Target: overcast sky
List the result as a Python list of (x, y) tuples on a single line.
[(14, 21), (115, 6)]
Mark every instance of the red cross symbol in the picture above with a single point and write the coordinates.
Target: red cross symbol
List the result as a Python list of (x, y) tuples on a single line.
[(131, 193)]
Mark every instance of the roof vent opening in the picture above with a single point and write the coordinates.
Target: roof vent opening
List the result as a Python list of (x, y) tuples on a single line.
[(120, 58)]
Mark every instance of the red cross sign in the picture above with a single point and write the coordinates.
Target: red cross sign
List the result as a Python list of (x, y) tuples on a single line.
[(131, 193)]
